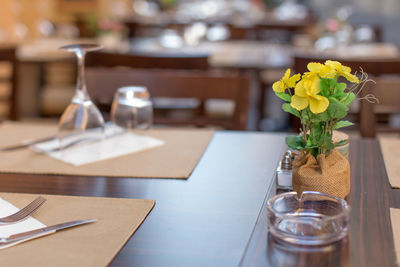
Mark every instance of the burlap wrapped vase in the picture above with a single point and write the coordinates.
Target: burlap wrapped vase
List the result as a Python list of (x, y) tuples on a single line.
[(328, 174)]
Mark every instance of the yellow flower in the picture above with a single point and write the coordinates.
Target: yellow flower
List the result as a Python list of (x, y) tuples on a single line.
[(323, 71), (342, 71), (286, 82), (306, 94)]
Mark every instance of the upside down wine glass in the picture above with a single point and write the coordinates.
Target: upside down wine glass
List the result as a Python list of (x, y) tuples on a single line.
[(81, 120)]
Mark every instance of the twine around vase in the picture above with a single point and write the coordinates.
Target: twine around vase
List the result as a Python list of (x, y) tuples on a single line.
[(327, 174)]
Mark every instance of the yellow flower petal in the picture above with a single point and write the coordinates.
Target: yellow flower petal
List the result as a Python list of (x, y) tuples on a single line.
[(345, 69), (292, 80), (286, 82), (299, 102), (335, 64), (351, 78), (314, 67), (287, 75), (278, 87), (315, 85), (311, 86), (299, 89), (318, 104), (327, 72)]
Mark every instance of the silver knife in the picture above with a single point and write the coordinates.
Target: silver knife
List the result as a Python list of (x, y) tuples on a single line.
[(30, 142), (27, 143), (25, 236)]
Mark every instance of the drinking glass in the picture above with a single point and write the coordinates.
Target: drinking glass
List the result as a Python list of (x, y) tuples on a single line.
[(132, 108), (81, 120)]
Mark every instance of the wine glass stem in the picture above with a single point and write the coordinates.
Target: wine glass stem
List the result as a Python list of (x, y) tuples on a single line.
[(81, 90)]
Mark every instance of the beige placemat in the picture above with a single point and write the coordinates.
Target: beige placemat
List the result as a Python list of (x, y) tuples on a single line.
[(390, 147), (395, 219), (176, 159), (94, 244)]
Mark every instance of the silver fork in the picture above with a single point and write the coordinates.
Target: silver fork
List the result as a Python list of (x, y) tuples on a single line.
[(23, 213)]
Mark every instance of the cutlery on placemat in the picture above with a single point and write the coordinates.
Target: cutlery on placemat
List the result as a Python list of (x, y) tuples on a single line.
[(76, 142), (23, 213), (25, 236), (27, 143)]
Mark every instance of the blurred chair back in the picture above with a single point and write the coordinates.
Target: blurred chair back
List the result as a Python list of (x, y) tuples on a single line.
[(8, 83), (147, 61), (372, 115), (103, 82)]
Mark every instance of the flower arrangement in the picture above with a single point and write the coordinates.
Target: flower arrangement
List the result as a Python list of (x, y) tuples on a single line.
[(321, 101)]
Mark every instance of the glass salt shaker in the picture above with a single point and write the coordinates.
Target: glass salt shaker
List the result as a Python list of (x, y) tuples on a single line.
[(284, 172)]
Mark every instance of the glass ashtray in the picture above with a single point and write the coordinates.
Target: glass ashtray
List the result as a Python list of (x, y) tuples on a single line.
[(313, 219)]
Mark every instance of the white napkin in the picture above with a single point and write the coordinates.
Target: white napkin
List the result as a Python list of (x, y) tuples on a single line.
[(114, 145), (6, 208)]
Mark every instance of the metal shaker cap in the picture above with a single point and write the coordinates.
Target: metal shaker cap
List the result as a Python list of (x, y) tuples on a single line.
[(286, 162)]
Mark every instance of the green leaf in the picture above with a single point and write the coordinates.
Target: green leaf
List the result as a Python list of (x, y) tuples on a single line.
[(339, 90), (325, 86), (288, 108), (284, 96), (295, 142), (324, 116), (341, 124), (316, 131), (340, 87), (314, 152), (309, 143), (348, 99), (333, 99), (305, 117), (337, 110), (341, 143), (327, 143)]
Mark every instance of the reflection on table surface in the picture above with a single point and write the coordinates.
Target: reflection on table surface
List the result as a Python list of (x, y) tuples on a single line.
[(280, 253)]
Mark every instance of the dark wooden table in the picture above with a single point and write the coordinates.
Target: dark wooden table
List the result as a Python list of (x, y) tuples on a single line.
[(218, 218)]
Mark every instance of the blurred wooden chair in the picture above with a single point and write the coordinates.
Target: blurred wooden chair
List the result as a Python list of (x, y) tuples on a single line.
[(103, 82), (8, 82), (374, 116), (147, 61)]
